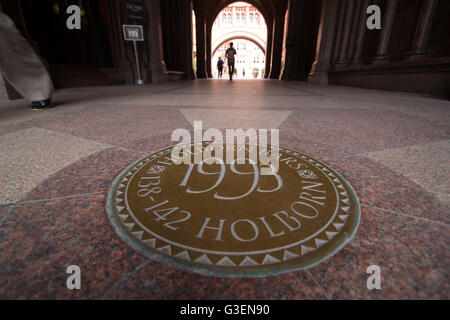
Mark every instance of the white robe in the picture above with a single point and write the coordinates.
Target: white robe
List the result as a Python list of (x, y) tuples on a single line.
[(20, 65)]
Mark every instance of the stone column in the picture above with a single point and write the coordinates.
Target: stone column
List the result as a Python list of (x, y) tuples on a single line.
[(187, 68), (420, 47), (357, 12), (277, 47), (154, 38), (386, 31), (124, 65), (361, 32), (294, 29), (349, 12), (201, 43), (208, 51), (321, 66), (339, 31), (268, 48)]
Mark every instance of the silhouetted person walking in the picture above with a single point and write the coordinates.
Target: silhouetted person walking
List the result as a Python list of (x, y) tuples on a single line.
[(21, 66), (220, 63), (229, 54)]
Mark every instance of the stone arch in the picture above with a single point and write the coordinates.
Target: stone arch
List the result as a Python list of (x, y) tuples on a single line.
[(215, 7), (239, 35), (267, 11)]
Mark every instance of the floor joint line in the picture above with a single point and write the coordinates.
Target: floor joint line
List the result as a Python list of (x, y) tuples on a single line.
[(407, 215), (81, 195), (317, 284)]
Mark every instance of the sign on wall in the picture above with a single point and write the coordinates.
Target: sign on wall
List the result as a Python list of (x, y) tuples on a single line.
[(133, 32), (135, 9)]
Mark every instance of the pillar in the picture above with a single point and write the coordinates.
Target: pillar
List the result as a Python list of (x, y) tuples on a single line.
[(233, 15), (187, 68), (268, 48), (358, 12), (154, 38), (349, 11), (360, 34), (321, 66), (123, 63), (277, 46), (201, 43), (294, 22), (386, 31), (208, 51), (339, 31), (420, 47)]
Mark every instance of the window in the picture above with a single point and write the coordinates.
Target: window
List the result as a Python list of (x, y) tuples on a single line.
[(224, 18), (251, 18), (229, 18), (256, 18)]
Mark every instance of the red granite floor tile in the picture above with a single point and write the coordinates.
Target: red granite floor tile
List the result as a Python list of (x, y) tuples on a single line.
[(4, 212), (89, 175), (169, 283), (4, 129), (150, 144), (116, 125), (286, 139), (39, 241), (378, 186), (315, 149), (361, 130), (403, 228), (413, 257)]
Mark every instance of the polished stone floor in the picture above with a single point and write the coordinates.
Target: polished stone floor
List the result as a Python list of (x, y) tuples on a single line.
[(57, 164)]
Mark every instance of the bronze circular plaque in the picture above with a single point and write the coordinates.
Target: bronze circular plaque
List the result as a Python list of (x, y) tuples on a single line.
[(230, 219)]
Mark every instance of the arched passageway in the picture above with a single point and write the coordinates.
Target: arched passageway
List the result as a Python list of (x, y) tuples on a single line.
[(206, 13), (245, 26), (322, 40), (234, 37), (290, 38), (249, 61)]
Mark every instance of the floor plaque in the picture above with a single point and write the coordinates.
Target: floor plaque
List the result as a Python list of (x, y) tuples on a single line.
[(230, 219)]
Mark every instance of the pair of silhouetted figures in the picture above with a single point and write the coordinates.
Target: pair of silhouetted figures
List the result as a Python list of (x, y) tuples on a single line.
[(229, 54)]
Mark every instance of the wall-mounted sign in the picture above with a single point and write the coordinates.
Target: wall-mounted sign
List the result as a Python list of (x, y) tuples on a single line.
[(133, 32), (135, 9)]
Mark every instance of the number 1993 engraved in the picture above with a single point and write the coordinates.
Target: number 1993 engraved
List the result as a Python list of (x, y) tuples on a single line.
[(231, 216)]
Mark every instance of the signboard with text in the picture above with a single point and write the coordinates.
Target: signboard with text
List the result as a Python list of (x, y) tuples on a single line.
[(135, 9), (133, 32)]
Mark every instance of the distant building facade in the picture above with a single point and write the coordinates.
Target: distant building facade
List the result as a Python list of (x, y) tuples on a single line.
[(242, 24)]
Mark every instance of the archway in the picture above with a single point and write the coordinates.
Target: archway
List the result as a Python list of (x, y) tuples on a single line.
[(249, 62), (245, 25), (272, 12), (239, 35)]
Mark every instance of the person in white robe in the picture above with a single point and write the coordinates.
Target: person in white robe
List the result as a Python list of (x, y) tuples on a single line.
[(22, 67)]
